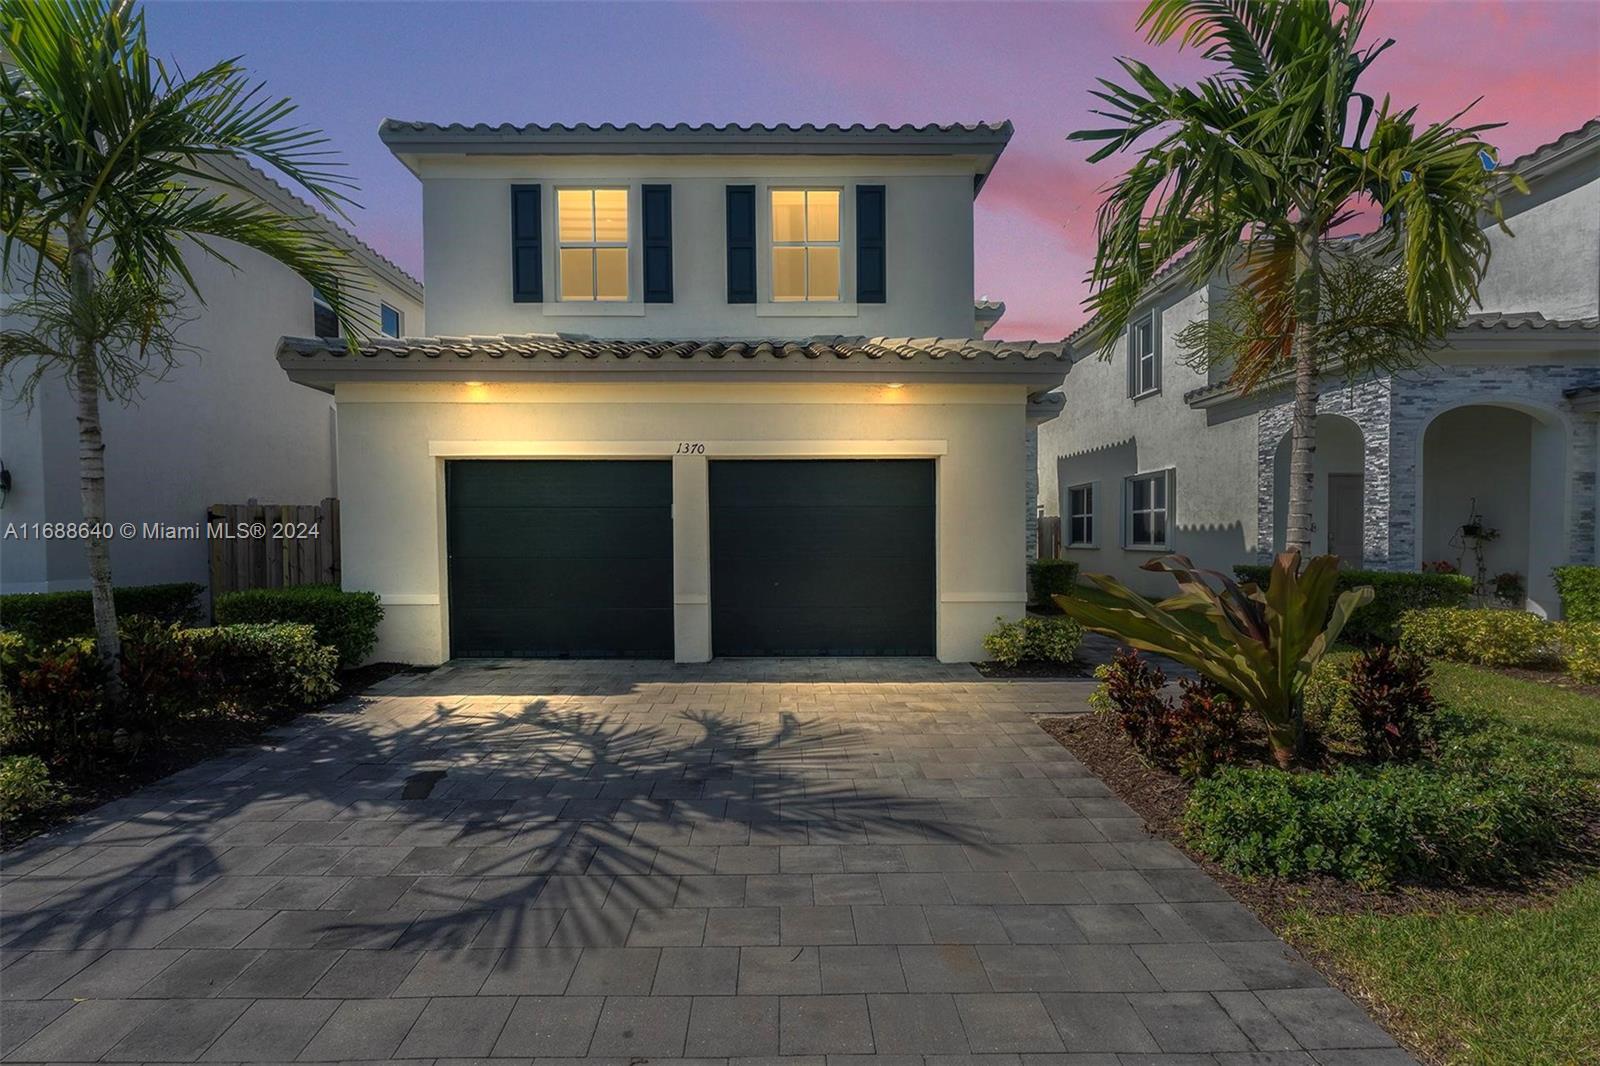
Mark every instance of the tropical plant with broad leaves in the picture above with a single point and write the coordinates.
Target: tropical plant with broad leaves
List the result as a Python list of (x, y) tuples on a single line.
[(1260, 645), (113, 171), (1250, 173)]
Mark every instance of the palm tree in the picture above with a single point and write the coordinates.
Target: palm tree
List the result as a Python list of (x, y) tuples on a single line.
[(1253, 169), (107, 189)]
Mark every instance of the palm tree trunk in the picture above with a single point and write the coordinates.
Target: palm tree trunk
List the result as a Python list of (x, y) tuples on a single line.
[(92, 474), (1303, 435)]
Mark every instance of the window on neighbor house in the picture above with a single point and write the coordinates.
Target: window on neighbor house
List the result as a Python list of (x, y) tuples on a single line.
[(391, 323), (1080, 515), (1144, 356), (805, 244), (592, 231), (1147, 521), (324, 323)]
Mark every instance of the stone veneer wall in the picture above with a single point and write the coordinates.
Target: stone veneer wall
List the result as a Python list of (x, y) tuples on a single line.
[(1367, 404), (1538, 388), (1394, 412)]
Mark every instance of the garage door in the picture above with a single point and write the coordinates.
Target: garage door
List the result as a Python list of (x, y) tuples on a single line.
[(560, 558), (822, 557)]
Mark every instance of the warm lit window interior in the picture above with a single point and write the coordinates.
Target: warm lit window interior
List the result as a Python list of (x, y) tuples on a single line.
[(805, 244), (592, 227)]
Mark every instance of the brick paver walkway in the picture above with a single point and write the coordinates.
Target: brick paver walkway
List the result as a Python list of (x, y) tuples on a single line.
[(641, 861)]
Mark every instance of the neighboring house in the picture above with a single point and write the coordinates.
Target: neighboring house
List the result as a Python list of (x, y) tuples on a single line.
[(222, 426), (698, 391), (1151, 456)]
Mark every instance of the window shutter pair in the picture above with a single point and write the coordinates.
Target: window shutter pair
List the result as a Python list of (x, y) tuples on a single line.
[(871, 244), (527, 250)]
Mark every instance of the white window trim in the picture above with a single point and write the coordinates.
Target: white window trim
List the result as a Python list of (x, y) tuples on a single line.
[(1134, 392), (769, 247), (1171, 475), (399, 316), (630, 245), (1093, 516)]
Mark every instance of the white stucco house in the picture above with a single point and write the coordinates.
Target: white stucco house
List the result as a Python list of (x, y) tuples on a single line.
[(221, 427), (693, 391), (1151, 456)]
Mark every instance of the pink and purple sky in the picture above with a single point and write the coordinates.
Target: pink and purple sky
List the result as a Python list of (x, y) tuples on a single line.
[(1535, 63)]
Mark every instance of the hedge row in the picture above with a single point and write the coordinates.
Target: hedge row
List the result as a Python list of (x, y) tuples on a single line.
[(49, 616), (1579, 587), (1394, 593), (1051, 577), (347, 621)]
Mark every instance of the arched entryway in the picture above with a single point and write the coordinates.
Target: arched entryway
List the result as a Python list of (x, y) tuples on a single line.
[(1338, 490), (1501, 468)]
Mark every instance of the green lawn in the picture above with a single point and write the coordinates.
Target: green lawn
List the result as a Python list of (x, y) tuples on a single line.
[(1488, 987)]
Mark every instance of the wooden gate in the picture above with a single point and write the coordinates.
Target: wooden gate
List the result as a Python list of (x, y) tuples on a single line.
[(1049, 527), (272, 545)]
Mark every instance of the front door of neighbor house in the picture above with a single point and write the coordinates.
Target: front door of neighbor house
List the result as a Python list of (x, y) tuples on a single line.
[(1344, 517)]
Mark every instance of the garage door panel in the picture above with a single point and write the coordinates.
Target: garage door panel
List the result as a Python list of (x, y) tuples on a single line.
[(822, 557), (881, 529), (550, 582), (560, 482), (560, 557), (538, 632), (566, 532)]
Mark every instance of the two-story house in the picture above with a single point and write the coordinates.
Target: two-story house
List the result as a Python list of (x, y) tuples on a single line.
[(222, 426), (696, 391), (1498, 429)]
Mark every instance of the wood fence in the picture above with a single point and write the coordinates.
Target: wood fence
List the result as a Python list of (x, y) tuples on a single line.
[(1049, 536), (270, 545)]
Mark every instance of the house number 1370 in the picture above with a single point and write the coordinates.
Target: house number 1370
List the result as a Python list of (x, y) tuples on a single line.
[(686, 448)]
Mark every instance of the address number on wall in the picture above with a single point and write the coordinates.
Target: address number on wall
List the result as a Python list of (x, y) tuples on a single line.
[(691, 448)]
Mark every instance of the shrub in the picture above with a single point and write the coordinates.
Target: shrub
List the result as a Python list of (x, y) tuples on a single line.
[(266, 665), (346, 620), (1391, 703), (1328, 712), (1579, 587), (1259, 647), (1394, 593), (1041, 640), (1580, 650), (1193, 736), (1494, 806), (25, 786), (1049, 577), (54, 706), (44, 617), (1484, 636)]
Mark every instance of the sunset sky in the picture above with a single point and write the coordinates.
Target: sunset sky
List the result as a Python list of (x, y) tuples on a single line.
[(350, 64)]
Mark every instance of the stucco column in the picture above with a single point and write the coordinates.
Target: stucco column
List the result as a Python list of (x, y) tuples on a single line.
[(691, 559)]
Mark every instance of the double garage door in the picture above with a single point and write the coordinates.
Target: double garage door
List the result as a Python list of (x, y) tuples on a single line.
[(574, 558)]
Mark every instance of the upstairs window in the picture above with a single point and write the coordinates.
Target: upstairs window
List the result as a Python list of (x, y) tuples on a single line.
[(324, 323), (1080, 516), (805, 245), (1144, 356), (592, 231), (391, 323)]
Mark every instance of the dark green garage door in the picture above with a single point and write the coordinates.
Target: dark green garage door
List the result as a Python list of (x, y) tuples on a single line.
[(822, 557), (560, 558)]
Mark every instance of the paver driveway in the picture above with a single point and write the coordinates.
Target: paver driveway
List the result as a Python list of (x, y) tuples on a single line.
[(638, 861)]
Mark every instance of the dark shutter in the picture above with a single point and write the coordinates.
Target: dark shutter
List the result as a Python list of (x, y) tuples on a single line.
[(527, 254), (657, 200), (872, 229), (741, 244)]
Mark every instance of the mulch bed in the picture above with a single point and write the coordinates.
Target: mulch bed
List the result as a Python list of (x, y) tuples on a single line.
[(1027, 670), (220, 733), (1553, 678)]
